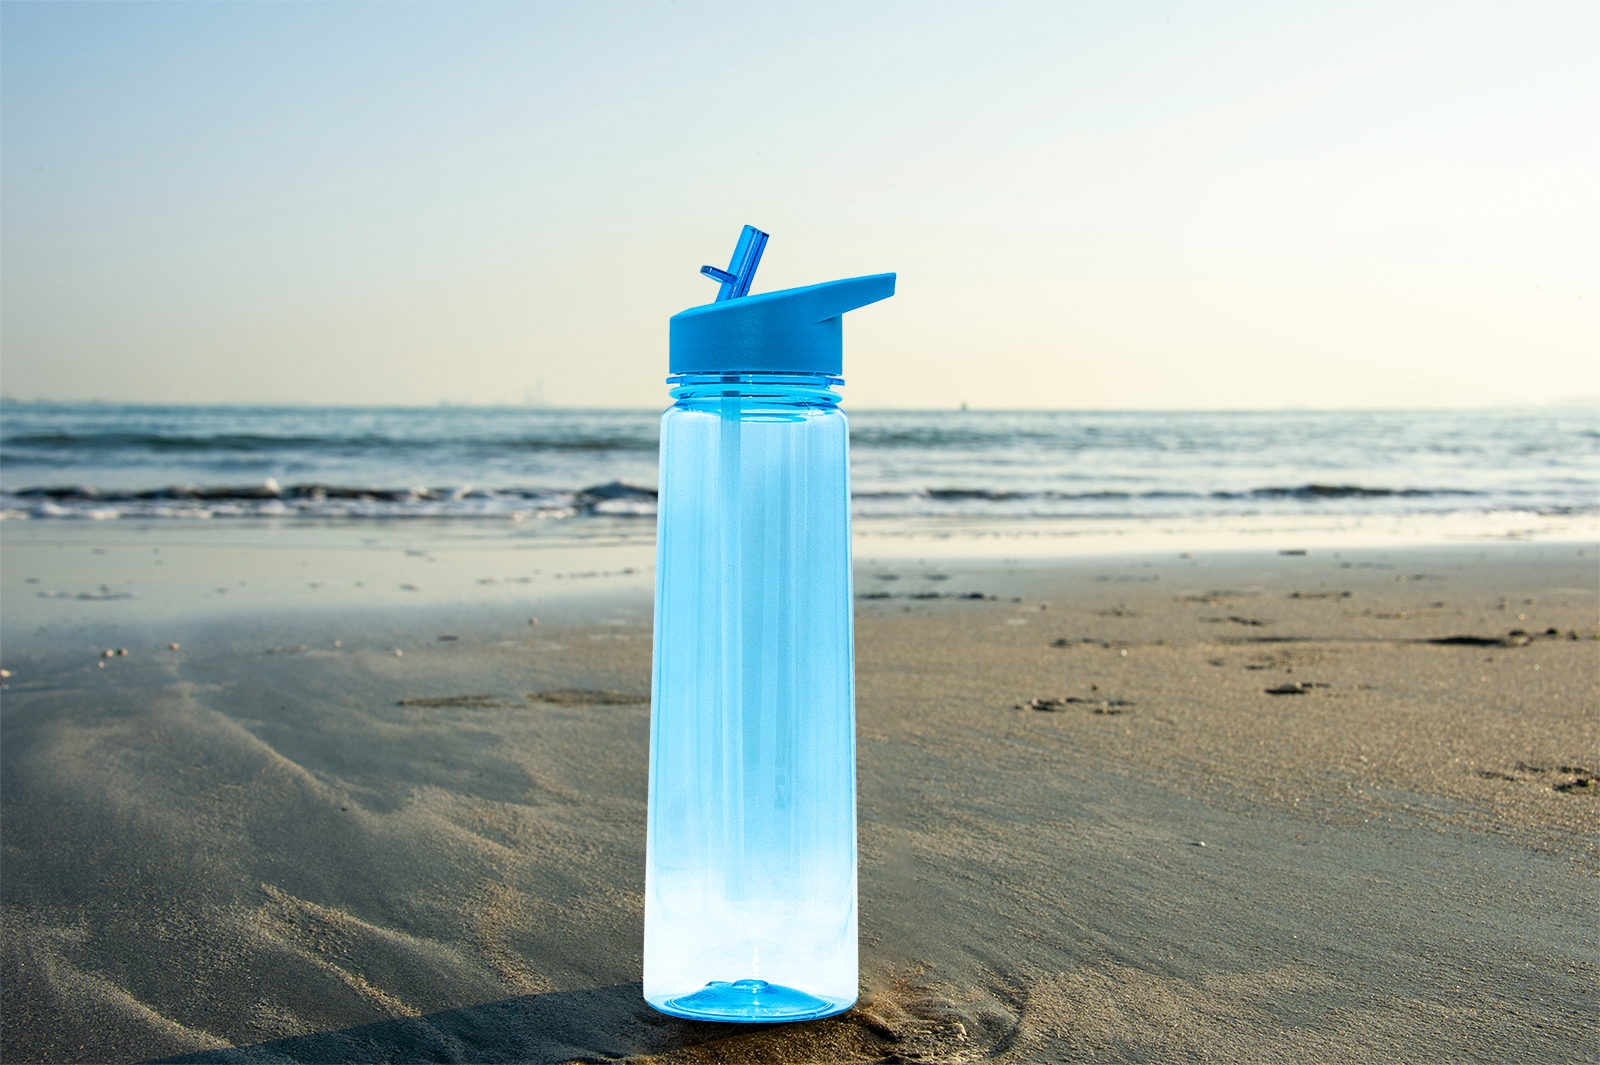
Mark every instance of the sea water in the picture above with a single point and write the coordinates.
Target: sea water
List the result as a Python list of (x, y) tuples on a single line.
[(537, 468), (750, 890)]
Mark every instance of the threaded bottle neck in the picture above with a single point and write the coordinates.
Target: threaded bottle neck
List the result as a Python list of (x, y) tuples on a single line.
[(704, 390)]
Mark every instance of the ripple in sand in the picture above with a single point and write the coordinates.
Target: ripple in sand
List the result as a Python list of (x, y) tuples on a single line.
[(1097, 706), (476, 702), (588, 697)]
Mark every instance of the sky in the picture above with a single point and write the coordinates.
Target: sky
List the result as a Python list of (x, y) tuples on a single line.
[(1089, 205)]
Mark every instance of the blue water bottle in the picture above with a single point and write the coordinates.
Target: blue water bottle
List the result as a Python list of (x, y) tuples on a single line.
[(750, 857)]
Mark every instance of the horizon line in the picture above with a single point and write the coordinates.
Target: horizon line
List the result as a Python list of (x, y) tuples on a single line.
[(1569, 403)]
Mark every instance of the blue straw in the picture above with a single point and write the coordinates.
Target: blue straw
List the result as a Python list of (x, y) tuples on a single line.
[(742, 267)]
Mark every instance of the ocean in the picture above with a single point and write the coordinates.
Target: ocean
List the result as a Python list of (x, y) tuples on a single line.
[(563, 468)]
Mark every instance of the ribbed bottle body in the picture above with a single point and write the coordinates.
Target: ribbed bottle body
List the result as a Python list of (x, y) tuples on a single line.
[(750, 886)]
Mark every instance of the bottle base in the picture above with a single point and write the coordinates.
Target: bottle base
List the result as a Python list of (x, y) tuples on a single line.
[(753, 1001)]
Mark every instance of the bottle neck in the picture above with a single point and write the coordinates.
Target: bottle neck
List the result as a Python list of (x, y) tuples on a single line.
[(760, 389)]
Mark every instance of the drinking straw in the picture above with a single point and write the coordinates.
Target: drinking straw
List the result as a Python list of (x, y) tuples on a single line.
[(742, 267), (735, 282), (732, 533)]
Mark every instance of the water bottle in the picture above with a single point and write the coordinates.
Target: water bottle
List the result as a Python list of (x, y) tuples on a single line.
[(750, 854)]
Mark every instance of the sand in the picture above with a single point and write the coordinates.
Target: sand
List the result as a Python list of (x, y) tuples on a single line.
[(282, 841)]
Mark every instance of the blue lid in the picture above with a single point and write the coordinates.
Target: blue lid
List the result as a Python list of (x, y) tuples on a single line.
[(796, 330)]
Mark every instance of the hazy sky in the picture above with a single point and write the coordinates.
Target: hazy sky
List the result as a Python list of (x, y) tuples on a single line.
[(1097, 205)]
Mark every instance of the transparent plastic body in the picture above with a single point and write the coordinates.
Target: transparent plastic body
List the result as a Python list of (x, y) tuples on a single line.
[(750, 867)]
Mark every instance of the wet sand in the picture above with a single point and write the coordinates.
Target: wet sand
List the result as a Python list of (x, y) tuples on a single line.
[(1235, 806)]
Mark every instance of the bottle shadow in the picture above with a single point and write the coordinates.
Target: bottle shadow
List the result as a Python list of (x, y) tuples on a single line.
[(601, 1024)]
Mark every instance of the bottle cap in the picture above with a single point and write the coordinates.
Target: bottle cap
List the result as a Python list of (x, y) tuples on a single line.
[(795, 330)]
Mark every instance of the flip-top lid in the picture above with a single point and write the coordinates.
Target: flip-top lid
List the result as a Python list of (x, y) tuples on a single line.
[(795, 330)]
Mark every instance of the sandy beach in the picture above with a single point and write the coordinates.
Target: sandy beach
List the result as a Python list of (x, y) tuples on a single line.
[(341, 801)]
